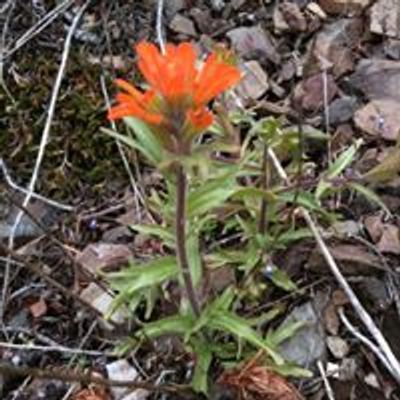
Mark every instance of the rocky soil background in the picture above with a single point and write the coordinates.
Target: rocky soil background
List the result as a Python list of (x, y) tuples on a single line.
[(331, 65)]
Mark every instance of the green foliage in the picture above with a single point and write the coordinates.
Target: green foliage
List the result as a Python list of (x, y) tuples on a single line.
[(220, 200)]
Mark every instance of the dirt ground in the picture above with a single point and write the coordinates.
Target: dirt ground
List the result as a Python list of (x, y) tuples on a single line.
[(330, 65)]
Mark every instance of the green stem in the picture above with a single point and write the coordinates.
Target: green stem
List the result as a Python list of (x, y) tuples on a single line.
[(180, 227)]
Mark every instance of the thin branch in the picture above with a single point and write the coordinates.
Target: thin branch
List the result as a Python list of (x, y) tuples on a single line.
[(57, 349), (86, 379), (328, 387), (35, 196), (160, 37), (355, 332), (39, 26)]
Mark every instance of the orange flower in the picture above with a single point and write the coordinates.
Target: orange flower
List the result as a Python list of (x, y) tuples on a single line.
[(179, 91)]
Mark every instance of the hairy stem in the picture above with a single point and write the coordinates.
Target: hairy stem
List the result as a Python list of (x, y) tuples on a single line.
[(262, 226), (180, 231)]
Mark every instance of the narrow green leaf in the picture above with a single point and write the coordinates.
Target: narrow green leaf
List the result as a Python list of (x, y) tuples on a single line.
[(228, 322), (284, 332), (146, 138), (337, 167), (370, 195), (203, 362), (210, 196), (281, 279), (138, 277), (177, 324), (289, 369), (160, 232)]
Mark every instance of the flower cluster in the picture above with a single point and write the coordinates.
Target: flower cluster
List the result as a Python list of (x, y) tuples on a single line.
[(175, 104)]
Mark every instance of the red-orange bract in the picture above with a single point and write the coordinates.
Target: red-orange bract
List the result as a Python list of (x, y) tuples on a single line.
[(175, 104)]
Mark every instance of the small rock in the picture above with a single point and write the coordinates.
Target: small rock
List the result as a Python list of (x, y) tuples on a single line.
[(121, 370), (379, 118), (217, 5), (237, 4), (99, 256), (374, 293), (346, 228), (371, 380), (337, 346), (348, 369), (377, 79), (174, 6), (254, 82), (252, 42), (315, 9), (293, 16), (341, 110), (203, 19), (334, 44), (307, 345), (385, 18), (392, 49), (183, 25), (309, 93), (100, 300), (344, 7)]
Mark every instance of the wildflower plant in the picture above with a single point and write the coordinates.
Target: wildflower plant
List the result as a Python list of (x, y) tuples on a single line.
[(169, 119)]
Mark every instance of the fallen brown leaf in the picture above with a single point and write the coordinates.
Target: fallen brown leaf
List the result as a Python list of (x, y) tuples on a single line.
[(260, 382)]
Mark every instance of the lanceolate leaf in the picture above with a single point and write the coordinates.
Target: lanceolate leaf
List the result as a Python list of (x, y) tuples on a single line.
[(161, 232), (203, 362), (337, 167), (138, 277), (177, 324), (209, 196), (228, 322)]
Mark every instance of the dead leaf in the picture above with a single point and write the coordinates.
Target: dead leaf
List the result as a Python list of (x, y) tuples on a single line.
[(93, 393), (38, 309), (390, 239), (260, 382), (353, 260)]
